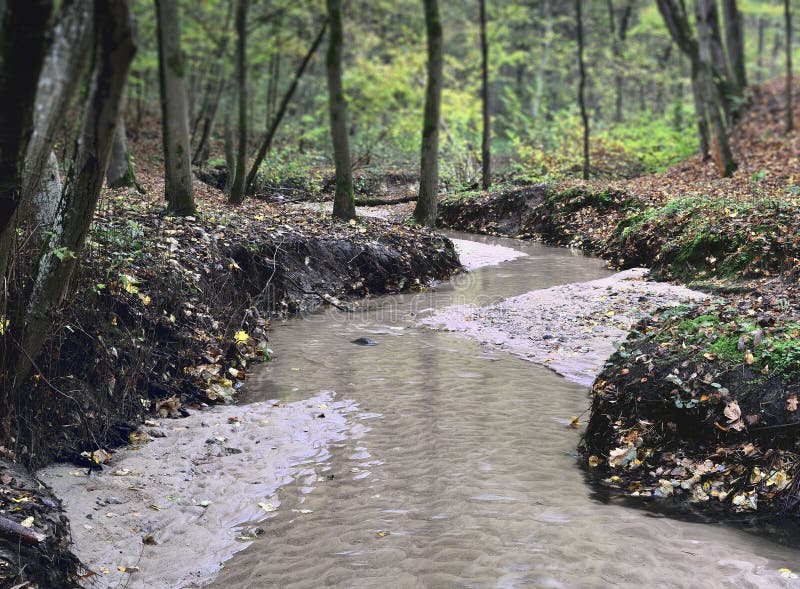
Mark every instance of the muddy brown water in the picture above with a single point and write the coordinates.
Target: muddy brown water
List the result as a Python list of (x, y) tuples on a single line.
[(457, 470)]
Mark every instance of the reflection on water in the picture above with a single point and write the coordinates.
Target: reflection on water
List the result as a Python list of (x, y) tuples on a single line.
[(458, 470)]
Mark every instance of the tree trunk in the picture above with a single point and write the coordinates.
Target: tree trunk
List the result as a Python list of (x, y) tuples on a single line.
[(734, 43), (23, 44), (120, 166), (48, 196), (677, 21), (115, 47), (427, 203), (344, 205), (209, 120), (582, 87), (715, 60), (230, 145), (266, 144), (714, 99), (486, 153), (174, 110), (762, 23), (237, 188), (548, 34), (701, 117), (787, 13)]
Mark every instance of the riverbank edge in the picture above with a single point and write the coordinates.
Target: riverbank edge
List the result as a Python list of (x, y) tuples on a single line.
[(698, 404), (175, 325)]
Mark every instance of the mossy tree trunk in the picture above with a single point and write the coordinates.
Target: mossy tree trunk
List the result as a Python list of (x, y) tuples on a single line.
[(237, 188), (425, 211), (734, 45), (174, 110), (344, 203)]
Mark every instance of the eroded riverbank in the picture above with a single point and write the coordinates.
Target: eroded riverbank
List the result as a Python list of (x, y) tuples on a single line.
[(453, 467)]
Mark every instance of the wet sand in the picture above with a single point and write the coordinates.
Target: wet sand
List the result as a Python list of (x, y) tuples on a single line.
[(571, 328)]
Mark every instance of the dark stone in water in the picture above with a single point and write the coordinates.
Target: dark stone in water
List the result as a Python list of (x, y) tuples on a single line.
[(365, 341)]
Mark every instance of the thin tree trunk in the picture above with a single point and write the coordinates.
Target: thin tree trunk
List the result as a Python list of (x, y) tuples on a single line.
[(209, 120), (23, 36), (120, 171), (486, 154), (582, 88), (426, 209), (701, 117), (548, 35), (344, 206), (762, 22), (174, 110), (237, 188), (230, 144), (266, 144), (115, 47), (787, 13)]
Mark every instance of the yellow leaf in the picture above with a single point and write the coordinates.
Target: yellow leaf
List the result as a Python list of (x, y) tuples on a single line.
[(748, 357), (241, 336), (27, 522), (594, 461), (575, 422)]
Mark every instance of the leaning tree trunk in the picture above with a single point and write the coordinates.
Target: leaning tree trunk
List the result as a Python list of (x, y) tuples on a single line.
[(582, 87), (486, 153), (120, 172), (115, 46), (787, 13), (427, 203), (237, 188), (344, 204), (23, 36), (266, 144), (174, 110)]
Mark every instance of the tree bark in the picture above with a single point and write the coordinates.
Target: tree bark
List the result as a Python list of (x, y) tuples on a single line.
[(23, 44), (48, 196), (115, 46), (230, 144), (486, 153), (237, 188), (787, 14), (714, 99), (120, 171), (174, 110), (582, 87), (266, 143), (427, 203), (734, 43), (344, 206)]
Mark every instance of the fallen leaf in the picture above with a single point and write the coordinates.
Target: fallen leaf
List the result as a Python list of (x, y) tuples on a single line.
[(791, 403), (732, 410)]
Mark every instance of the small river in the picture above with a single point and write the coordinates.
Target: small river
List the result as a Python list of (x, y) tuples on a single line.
[(457, 469)]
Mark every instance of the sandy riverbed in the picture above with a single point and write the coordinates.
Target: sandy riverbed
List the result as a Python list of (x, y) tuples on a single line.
[(570, 328)]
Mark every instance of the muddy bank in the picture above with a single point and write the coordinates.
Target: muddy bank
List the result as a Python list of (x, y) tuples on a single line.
[(573, 328)]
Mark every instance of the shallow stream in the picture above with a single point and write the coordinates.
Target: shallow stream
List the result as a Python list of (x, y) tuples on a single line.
[(456, 468)]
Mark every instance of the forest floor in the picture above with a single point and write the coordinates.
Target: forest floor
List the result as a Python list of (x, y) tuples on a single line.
[(700, 403)]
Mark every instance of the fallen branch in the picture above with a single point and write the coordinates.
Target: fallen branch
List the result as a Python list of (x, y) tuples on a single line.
[(14, 531)]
